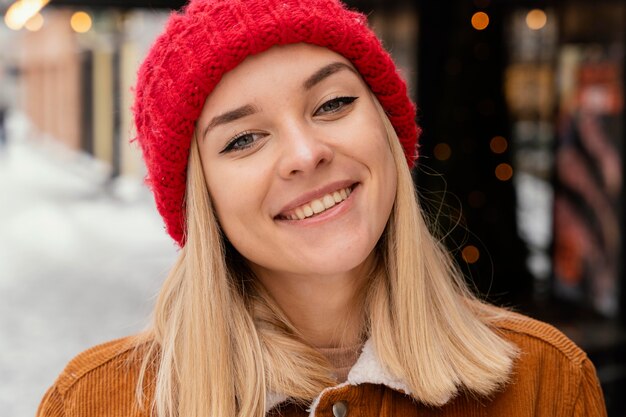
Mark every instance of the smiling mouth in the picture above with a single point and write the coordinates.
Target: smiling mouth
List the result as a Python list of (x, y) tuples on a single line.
[(318, 205)]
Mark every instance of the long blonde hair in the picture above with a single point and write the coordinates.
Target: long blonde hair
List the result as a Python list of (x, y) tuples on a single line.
[(219, 344)]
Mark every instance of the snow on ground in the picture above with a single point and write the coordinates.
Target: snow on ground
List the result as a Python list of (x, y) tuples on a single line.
[(81, 260)]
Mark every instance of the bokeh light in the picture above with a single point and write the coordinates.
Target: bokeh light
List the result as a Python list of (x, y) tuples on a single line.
[(81, 22), (470, 254), (504, 172), (480, 20), (442, 151), (34, 23), (536, 19), (498, 144), (21, 12)]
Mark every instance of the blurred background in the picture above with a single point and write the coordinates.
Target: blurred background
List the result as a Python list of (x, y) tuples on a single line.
[(521, 167)]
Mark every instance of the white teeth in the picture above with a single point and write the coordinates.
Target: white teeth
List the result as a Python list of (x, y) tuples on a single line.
[(329, 201), (319, 204)]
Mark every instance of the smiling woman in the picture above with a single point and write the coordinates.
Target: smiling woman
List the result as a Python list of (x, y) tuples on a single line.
[(314, 132), (278, 138)]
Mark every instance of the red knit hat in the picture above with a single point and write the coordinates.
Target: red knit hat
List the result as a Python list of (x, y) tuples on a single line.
[(211, 37)]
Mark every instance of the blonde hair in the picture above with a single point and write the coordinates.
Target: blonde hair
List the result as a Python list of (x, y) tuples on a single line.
[(219, 344)]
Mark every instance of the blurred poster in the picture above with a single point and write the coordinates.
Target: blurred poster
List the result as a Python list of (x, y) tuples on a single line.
[(588, 170)]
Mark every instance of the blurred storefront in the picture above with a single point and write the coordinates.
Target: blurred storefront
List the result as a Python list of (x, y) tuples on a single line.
[(564, 88), (564, 85), (76, 69), (521, 159)]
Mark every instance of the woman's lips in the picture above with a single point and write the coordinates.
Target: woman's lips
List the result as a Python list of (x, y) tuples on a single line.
[(317, 205)]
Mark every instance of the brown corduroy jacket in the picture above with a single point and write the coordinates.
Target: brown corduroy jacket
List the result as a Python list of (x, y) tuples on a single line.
[(552, 378)]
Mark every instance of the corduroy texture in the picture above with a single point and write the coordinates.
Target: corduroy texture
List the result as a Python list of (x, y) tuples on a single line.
[(210, 38), (552, 378)]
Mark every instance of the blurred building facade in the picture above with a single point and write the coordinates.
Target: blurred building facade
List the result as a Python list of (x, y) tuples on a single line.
[(523, 147), (76, 87)]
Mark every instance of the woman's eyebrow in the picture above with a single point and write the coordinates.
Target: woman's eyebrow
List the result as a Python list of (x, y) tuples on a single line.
[(322, 73), (229, 116)]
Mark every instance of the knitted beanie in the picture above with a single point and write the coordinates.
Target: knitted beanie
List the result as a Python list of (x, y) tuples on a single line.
[(211, 37)]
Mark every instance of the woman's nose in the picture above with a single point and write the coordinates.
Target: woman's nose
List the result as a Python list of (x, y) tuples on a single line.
[(303, 151)]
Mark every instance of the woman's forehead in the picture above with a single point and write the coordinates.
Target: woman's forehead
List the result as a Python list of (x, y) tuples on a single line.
[(280, 69)]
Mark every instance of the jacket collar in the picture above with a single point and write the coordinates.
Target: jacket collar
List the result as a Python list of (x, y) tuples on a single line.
[(367, 369)]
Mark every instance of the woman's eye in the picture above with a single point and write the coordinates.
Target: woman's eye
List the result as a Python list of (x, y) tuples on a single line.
[(242, 141), (334, 105)]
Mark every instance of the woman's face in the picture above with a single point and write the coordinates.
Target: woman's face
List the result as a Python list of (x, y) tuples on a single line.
[(297, 163)]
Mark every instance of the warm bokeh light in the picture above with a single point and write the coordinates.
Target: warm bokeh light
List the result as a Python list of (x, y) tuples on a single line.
[(536, 19), (498, 144), (480, 20), (470, 254), (504, 172), (21, 12), (442, 151), (81, 22), (34, 23)]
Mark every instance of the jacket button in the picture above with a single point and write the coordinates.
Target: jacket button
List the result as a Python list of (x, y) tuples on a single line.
[(340, 409)]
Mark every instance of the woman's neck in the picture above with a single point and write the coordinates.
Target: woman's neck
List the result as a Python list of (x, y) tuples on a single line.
[(327, 310)]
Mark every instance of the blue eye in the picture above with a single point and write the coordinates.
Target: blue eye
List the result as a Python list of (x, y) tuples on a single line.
[(335, 105), (242, 141)]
